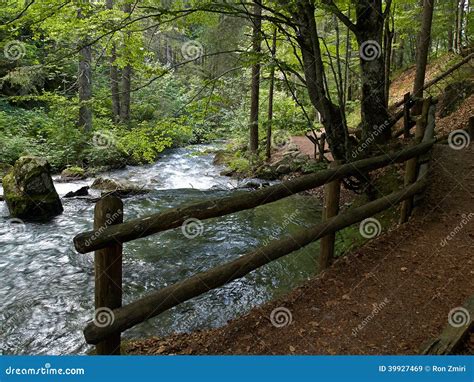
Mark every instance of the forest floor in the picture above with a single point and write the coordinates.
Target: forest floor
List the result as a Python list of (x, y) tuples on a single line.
[(390, 296)]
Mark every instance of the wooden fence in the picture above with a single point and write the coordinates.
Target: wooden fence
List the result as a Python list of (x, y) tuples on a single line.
[(110, 233)]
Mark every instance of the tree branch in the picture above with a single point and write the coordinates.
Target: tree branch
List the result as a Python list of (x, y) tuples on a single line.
[(341, 16)]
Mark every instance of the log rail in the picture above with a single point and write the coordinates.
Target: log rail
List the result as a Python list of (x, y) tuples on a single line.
[(110, 233)]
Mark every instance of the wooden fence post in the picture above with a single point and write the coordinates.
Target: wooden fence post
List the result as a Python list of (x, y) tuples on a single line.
[(108, 273), (332, 192), (411, 165), (406, 116)]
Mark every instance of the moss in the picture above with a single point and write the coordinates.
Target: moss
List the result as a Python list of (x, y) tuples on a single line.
[(74, 172), (28, 193), (5, 168), (313, 166), (350, 238)]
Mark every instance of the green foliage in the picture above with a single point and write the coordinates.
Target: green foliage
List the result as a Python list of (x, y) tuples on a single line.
[(172, 104), (145, 141)]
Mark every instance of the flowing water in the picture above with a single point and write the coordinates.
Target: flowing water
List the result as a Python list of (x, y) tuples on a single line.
[(47, 288)]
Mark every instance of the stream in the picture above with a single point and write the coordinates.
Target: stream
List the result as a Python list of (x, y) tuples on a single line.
[(47, 288)]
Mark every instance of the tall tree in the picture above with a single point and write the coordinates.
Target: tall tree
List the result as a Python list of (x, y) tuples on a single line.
[(114, 76), (368, 29), (459, 24), (126, 80), (451, 9), (84, 80), (255, 89), (388, 42), (270, 96), (424, 38), (307, 37)]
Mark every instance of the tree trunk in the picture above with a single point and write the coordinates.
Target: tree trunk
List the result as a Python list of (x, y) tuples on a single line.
[(126, 84), (84, 80), (270, 98), (347, 88), (388, 40), (255, 89), (460, 20), (423, 46), (114, 77), (370, 22), (451, 24), (401, 54), (308, 40)]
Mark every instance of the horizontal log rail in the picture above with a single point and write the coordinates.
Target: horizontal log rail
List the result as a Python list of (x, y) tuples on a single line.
[(175, 217), (173, 295)]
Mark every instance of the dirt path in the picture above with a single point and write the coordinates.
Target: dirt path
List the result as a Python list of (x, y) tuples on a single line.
[(389, 297)]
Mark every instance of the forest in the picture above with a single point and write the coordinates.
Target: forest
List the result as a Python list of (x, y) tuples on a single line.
[(236, 133), (139, 77)]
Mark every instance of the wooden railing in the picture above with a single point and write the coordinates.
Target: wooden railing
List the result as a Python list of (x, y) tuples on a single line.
[(110, 233)]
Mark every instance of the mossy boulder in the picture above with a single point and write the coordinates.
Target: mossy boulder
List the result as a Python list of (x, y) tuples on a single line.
[(29, 190), (73, 173)]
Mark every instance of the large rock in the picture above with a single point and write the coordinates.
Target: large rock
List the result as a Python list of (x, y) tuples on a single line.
[(73, 173), (29, 190), (83, 191), (118, 187)]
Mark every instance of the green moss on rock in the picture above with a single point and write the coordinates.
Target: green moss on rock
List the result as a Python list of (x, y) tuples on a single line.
[(73, 173), (29, 190)]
